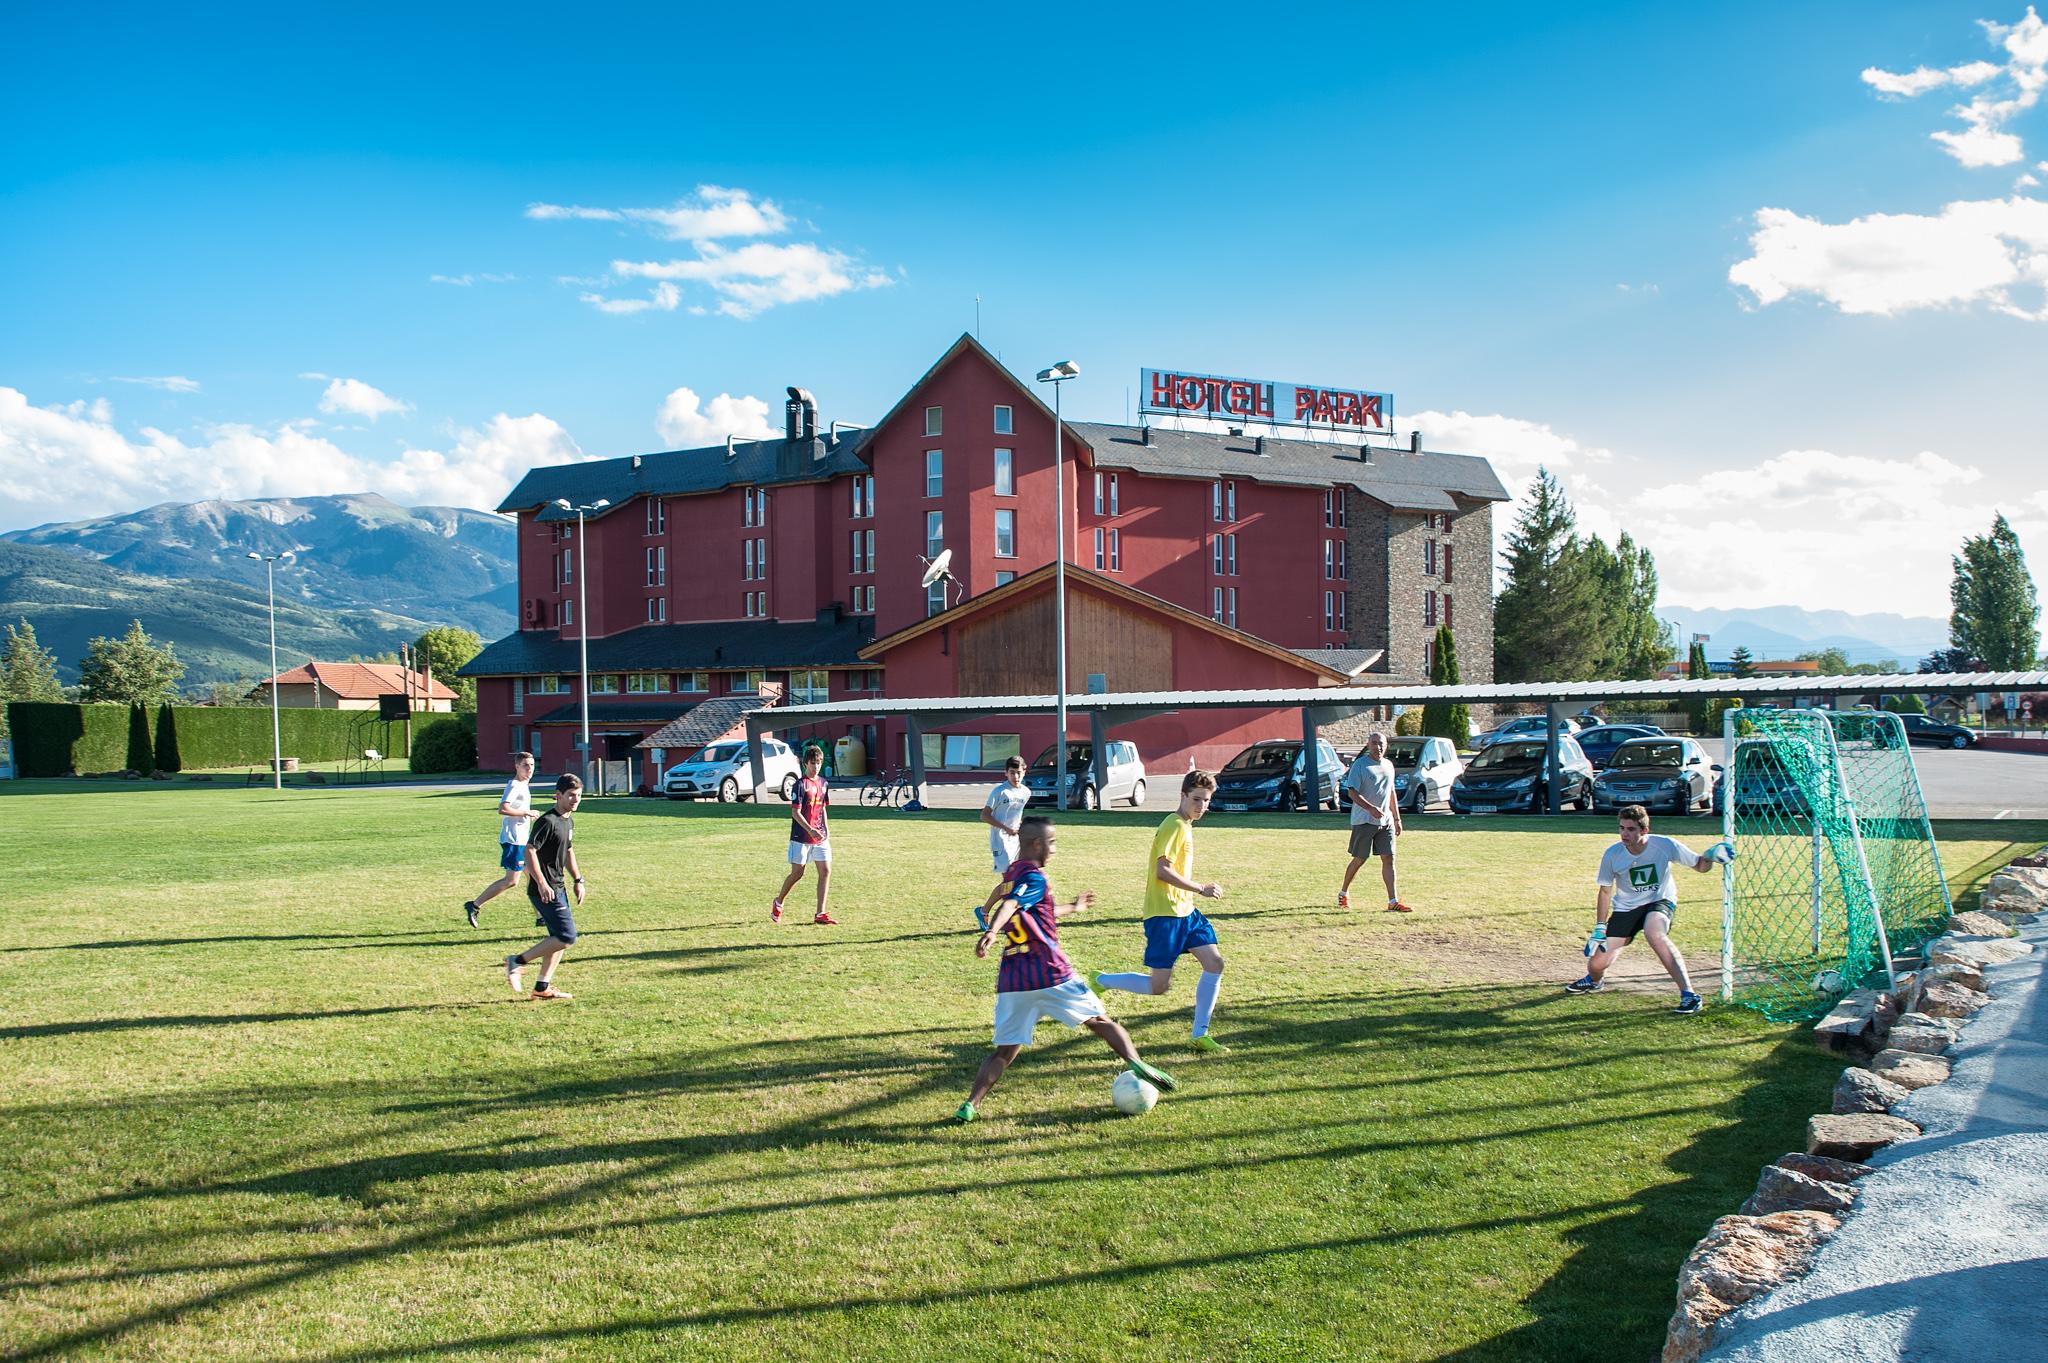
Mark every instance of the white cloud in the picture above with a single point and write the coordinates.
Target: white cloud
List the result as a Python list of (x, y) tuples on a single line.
[(681, 422), (1887, 263), (1983, 140), (664, 299), (715, 213), (463, 281), (69, 461), (760, 276), (169, 383), (358, 399)]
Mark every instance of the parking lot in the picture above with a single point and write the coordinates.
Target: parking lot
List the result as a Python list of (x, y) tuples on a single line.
[(1958, 785)]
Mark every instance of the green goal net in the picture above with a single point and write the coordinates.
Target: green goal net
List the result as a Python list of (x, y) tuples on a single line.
[(1836, 870)]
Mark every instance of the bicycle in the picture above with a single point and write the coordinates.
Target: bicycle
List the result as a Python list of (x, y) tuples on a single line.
[(886, 791)]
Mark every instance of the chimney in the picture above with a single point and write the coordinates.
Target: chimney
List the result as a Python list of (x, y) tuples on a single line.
[(728, 446), (1259, 447), (1415, 442), (1145, 436), (636, 463), (800, 416)]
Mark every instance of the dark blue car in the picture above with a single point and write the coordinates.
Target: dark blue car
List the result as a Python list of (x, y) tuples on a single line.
[(1599, 743)]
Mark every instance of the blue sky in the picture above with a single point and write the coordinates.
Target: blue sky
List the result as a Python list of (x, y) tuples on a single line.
[(1523, 224)]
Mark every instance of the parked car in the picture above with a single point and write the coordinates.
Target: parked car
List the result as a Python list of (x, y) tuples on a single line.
[(1921, 729), (1124, 778), (1270, 775), (1528, 726), (1424, 769), (1516, 775), (722, 771), (1761, 785), (1600, 742), (1671, 775)]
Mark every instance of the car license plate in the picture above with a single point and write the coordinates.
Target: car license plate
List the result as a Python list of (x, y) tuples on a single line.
[(1486, 809), (1233, 809)]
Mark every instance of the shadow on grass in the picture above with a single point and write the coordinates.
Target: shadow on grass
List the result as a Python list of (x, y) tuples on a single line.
[(86, 1026)]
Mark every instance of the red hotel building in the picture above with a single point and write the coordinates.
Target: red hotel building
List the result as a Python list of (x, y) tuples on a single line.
[(1198, 559)]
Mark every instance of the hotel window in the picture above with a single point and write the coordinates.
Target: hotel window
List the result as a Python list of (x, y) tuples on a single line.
[(863, 495), (935, 598), (1343, 515), (811, 687), (856, 552), (753, 506), (1112, 494), (1429, 608), (1216, 604), (657, 609), (1429, 558), (934, 533), (693, 681), (1447, 565), (1447, 610), (864, 599), (1006, 474), (1004, 577), (1343, 611), (646, 683), (1329, 611), (1116, 556), (1329, 559), (1099, 502), (657, 566), (1229, 501), (604, 684), (761, 557), (568, 567), (519, 695), (1230, 552), (1006, 534), (1216, 555), (746, 560), (569, 611), (748, 683), (657, 516), (1216, 501), (934, 420), (1101, 543), (1230, 598), (862, 679), (549, 686), (1002, 420), (1329, 506), (934, 472)]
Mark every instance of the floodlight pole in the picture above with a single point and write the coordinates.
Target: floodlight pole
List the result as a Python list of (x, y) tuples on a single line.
[(583, 620), (276, 726), (1057, 375)]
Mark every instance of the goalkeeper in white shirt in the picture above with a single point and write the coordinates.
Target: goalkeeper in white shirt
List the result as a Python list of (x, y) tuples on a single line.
[(1638, 895)]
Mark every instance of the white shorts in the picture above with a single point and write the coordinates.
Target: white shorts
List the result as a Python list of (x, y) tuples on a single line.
[(1017, 1012), (1002, 850), (803, 853)]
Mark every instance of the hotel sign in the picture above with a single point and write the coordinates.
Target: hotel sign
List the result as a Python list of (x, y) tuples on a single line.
[(1169, 392)]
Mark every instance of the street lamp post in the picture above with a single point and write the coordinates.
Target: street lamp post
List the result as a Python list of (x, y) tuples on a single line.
[(1057, 375), (583, 617), (269, 562)]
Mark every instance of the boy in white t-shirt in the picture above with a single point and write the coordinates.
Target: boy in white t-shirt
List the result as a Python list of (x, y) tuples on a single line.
[(515, 815), (1003, 812), (1638, 894)]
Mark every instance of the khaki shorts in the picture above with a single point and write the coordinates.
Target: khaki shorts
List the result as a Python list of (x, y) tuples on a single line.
[(1372, 840)]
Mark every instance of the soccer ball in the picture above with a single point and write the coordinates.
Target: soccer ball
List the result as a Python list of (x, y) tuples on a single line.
[(1829, 982), (1133, 1096)]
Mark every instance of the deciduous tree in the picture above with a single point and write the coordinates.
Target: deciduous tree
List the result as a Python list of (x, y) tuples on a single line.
[(130, 670)]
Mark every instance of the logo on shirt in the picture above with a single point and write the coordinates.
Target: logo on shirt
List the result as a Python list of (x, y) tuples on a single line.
[(1642, 877)]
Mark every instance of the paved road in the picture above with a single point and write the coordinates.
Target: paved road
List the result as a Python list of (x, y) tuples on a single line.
[(1945, 1257)]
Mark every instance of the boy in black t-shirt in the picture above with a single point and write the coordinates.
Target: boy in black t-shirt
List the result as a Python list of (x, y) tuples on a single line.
[(550, 872)]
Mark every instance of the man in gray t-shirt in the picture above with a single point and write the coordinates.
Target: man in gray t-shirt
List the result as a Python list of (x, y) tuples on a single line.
[(1375, 819), (1638, 893)]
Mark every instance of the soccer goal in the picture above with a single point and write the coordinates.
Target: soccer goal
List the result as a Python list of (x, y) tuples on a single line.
[(1836, 870)]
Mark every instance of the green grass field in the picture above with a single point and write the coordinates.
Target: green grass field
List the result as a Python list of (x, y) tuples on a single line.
[(263, 1096)]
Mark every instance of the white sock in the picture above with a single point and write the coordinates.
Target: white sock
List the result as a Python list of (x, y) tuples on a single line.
[(1205, 999), (1131, 982)]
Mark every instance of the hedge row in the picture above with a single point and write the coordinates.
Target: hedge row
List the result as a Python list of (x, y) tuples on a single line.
[(58, 739)]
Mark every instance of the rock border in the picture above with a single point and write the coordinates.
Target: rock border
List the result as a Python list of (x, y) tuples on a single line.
[(1897, 1040)]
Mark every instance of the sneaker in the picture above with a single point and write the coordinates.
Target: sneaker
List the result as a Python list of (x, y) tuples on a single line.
[(512, 969), (1209, 1045), (1155, 1076), (1585, 984), (548, 991), (1688, 1004), (965, 1114), (775, 912), (825, 919), (1396, 906), (1343, 899), (981, 917), (469, 911)]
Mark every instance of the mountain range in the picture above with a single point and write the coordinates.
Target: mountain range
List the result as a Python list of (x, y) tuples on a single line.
[(365, 575), (1781, 632)]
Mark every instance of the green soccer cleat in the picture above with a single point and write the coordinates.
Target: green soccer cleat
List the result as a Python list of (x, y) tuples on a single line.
[(1155, 1076), (965, 1114), (1209, 1045)]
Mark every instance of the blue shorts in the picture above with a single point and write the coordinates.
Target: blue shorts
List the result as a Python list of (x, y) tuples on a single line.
[(1168, 939), (556, 917), (512, 856)]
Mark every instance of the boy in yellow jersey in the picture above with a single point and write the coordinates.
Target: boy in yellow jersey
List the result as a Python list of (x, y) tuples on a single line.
[(1173, 925)]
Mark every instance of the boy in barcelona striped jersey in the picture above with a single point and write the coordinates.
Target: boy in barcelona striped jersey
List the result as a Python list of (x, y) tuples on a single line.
[(1034, 979)]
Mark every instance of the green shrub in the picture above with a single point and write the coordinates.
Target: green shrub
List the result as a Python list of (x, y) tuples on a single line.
[(167, 757), (141, 752), (1409, 721), (445, 743), (57, 738)]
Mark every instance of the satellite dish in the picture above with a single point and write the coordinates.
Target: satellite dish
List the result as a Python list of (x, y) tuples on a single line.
[(937, 568)]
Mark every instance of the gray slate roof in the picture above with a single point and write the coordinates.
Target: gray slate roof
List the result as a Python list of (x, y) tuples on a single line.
[(729, 644), (706, 722), (1405, 479), (756, 463), (1349, 661)]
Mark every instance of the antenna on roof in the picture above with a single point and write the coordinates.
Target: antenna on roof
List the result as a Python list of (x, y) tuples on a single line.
[(977, 317)]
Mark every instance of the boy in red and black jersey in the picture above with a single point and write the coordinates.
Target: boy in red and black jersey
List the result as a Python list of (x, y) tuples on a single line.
[(810, 841)]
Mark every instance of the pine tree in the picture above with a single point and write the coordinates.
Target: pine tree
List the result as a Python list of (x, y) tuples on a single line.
[(1547, 618), (1741, 662), (1635, 644), (1697, 668), (1994, 610), (130, 670), (1442, 718), (28, 671)]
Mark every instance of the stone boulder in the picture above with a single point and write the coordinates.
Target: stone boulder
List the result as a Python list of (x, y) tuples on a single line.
[(1977, 925), (1821, 1167), (1784, 1190), (1855, 1135), (1951, 999), (1975, 952), (1909, 1069), (1859, 1090), (1919, 1038), (1741, 1258)]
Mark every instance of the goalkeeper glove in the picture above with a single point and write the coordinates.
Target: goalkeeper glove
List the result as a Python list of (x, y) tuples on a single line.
[(1721, 853), (1596, 939)]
